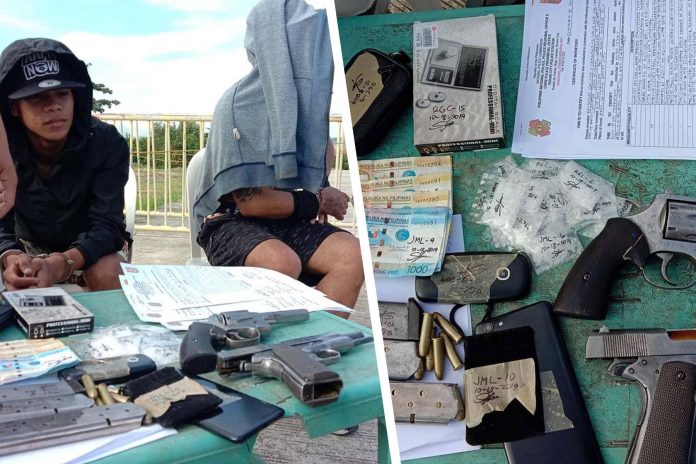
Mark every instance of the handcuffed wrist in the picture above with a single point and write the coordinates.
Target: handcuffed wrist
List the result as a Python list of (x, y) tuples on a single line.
[(306, 204), (69, 266)]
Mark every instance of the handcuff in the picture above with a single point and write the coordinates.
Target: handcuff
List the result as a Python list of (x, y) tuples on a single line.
[(70, 263)]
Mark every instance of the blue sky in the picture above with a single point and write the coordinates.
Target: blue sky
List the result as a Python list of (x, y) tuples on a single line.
[(158, 56)]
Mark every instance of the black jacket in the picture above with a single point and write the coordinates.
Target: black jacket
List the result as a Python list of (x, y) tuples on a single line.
[(80, 203)]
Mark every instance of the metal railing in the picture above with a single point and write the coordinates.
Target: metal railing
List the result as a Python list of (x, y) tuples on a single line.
[(161, 147)]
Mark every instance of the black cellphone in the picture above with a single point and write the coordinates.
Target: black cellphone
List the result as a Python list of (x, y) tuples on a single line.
[(477, 277), (240, 415), (576, 445)]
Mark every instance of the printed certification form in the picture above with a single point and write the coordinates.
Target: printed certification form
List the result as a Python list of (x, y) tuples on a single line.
[(607, 79), (175, 296)]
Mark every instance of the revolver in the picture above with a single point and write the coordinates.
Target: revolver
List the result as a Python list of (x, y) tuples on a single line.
[(664, 363), (231, 329), (667, 227), (299, 363)]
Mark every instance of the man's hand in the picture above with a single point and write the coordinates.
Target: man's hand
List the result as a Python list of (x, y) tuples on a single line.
[(21, 271), (332, 202)]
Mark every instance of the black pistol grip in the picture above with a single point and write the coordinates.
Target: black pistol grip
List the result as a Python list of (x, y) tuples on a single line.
[(670, 418), (310, 381), (585, 291), (197, 352)]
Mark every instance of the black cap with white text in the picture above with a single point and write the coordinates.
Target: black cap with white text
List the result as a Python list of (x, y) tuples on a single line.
[(40, 72)]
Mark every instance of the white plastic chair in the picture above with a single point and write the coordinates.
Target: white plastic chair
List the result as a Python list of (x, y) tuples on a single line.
[(193, 173), (130, 194)]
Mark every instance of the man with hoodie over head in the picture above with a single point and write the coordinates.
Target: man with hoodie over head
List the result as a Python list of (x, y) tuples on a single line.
[(68, 223), (263, 196)]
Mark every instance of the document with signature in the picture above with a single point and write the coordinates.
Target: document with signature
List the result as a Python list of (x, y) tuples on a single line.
[(407, 241), (177, 295), (607, 79)]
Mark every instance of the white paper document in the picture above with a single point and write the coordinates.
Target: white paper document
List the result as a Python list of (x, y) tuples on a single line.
[(177, 295), (607, 79), (92, 449), (424, 440)]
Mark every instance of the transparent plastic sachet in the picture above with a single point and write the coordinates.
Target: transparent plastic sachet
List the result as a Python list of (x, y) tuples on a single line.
[(540, 206), (154, 341), (553, 246), (584, 189)]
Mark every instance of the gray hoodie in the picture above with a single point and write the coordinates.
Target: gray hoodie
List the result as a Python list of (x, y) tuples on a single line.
[(271, 128)]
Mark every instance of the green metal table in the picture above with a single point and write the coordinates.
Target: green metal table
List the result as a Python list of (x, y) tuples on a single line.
[(613, 406), (360, 399)]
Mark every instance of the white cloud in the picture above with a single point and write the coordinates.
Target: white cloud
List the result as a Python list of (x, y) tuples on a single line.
[(19, 24), (93, 46), (183, 72), (193, 6), (169, 72)]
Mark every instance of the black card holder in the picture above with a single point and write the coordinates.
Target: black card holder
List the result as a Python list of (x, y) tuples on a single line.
[(383, 86)]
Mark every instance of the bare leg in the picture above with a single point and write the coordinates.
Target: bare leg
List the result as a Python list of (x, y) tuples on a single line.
[(103, 275), (338, 259), (275, 255)]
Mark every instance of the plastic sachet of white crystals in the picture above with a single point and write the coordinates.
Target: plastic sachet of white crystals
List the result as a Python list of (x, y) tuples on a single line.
[(541, 206)]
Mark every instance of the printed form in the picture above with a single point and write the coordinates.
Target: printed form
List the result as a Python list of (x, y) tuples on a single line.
[(607, 79)]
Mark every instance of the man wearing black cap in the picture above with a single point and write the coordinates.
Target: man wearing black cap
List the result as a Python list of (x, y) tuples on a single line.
[(72, 169)]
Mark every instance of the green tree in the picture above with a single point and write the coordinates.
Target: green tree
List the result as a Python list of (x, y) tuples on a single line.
[(176, 141), (99, 105)]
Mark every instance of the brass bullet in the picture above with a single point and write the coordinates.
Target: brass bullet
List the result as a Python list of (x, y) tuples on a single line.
[(418, 375), (425, 335), (438, 348), (452, 354), (448, 328), (119, 398), (430, 360), (104, 394), (113, 389), (90, 388)]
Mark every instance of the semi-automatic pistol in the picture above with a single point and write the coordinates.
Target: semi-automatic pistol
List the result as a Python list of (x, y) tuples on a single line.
[(300, 366), (664, 363)]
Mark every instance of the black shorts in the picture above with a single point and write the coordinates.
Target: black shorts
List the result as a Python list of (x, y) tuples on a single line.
[(228, 239)]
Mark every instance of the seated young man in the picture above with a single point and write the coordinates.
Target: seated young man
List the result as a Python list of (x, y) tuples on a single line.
[(265, 162), (72, 169)]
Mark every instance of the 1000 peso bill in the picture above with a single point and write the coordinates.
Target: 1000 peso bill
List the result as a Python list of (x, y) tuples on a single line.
[(408, 241)]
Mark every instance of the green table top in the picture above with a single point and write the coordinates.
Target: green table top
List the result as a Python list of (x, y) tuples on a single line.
[(613, 406), (359, 401)]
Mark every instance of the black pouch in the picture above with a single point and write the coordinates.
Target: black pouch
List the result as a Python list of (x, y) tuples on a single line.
[(178, 408), (515, 421), (379, 91)]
